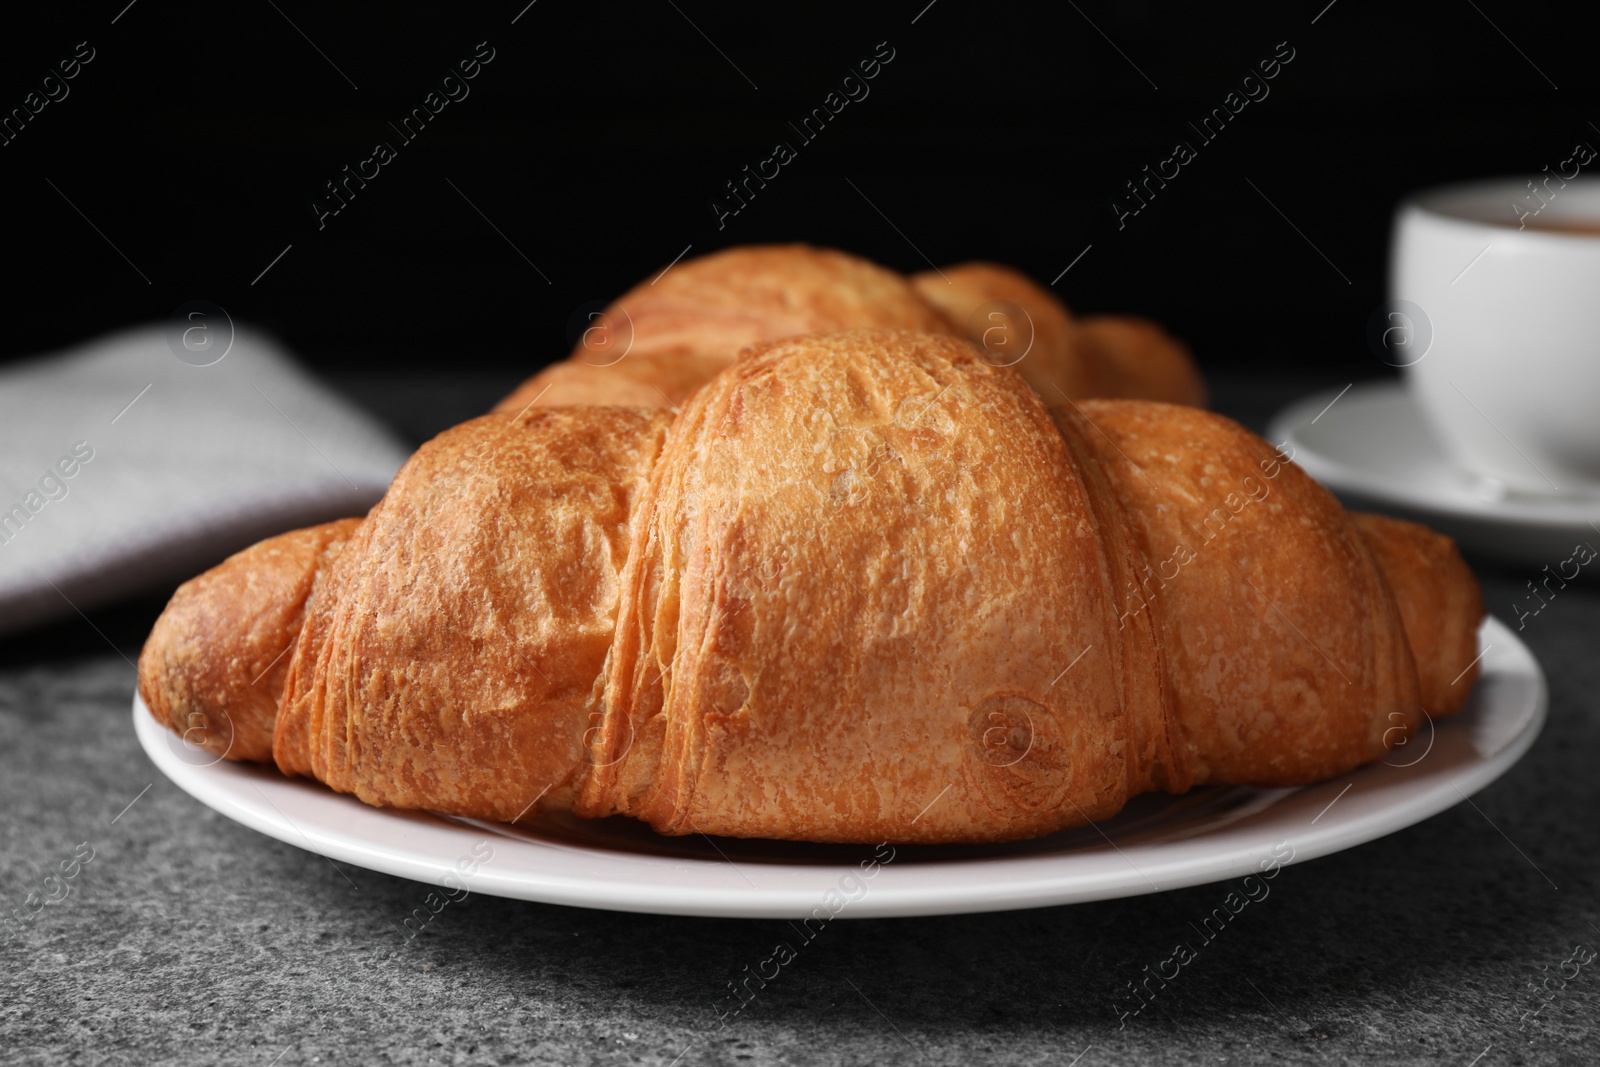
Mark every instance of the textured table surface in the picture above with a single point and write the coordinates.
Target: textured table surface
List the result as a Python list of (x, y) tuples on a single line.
[(190, 939)]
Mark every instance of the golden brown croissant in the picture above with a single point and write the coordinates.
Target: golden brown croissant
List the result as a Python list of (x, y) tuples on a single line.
[(1023, 325), (668, 336), (864, 587)]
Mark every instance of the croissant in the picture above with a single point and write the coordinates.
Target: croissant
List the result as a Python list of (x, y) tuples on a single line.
[(1025, 326), (668, 336), (864, 587)]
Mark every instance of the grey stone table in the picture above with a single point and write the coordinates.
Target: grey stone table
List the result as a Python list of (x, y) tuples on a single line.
[(190, 939)]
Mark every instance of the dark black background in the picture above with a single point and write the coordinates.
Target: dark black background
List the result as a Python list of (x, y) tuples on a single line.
[(597, 138)]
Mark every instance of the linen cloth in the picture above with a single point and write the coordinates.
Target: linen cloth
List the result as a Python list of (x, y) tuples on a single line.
[(126, 467)]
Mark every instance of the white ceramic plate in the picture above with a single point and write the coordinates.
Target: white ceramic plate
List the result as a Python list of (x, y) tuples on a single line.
[(1157, 843), (1373, 448)]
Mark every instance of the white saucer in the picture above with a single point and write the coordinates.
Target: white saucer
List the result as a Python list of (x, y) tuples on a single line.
[(1373, 449), (1157, 843)]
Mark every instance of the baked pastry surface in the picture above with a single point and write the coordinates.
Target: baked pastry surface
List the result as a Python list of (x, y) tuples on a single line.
[(864, 587), (671, 334)]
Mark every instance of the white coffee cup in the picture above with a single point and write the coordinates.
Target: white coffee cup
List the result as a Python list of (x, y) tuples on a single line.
[(1503, 309)]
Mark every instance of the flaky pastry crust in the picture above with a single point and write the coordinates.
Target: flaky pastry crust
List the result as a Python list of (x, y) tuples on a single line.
[(671, 334), (865, 587)]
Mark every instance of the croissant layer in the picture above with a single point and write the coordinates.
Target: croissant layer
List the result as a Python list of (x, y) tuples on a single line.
[(671, 334), (450, 660)]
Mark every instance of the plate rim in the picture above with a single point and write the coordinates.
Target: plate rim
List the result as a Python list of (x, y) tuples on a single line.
[(1522, 512), (1037, 886)]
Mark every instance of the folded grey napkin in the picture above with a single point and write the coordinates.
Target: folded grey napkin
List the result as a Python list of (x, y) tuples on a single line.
[(125, 465)]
